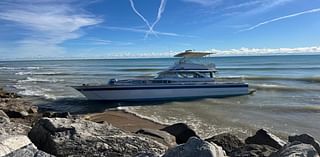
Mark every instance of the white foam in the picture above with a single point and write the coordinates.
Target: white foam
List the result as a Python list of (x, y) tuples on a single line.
[(31, 79), (203, 129), (20, 68), (34, 91), (37, 73)]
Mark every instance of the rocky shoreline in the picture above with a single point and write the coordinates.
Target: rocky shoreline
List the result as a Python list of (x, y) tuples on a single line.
[(26, 132)]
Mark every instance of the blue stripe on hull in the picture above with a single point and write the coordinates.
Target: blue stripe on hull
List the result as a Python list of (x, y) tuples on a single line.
[(96, 88), (170, 98)]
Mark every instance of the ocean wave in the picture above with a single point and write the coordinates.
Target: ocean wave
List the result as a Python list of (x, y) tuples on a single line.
[(30, 79), (281, 87), (20, 68), (243, 77), (35, 91), (139, 69), (39, 73), (268, 68)]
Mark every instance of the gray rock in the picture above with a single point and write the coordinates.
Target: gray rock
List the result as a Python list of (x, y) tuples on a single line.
[(18, 146), (253, 150), (146, 154), (10, 128), (307, 139), (159, 135), (227, 141), (24, 113), (57, 115), (29, 150), (195, 147), (4, 117), (63, 137), (296, 149), (263, 137), (16, 114), (181, 131)]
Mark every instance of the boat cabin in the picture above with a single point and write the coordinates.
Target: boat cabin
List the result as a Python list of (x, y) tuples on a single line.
[(185, 69)]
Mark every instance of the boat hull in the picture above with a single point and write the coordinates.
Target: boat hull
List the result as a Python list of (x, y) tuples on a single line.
[(148, 93)]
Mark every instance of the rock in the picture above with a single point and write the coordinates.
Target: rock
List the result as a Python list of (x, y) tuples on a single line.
[(18, 146), (253, 150), (4, 117), (296, 149), (64, 137), (159, 135), (57, 114), (13, 114), (146, 154), (33, 109), (307, 139), (181, 131), (24, 113), (263, 137), (195, 147), (15, 107), (227, 141), (10, 128)]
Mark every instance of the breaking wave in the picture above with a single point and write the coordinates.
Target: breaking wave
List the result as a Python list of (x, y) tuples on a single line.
[(35, 91), (30, 79), (280, 87), (20, 68), (39, 73)]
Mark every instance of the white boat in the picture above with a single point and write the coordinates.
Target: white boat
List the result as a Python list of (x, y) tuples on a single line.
[(184, 80)]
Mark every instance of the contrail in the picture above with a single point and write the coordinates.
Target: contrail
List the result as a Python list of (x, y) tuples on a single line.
[(281, 18), (142, 17), (160, 11)]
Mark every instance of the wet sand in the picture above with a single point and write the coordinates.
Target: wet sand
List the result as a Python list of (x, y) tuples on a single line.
[(123, 120)]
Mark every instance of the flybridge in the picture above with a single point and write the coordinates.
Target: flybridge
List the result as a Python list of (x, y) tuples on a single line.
[(192, 54)]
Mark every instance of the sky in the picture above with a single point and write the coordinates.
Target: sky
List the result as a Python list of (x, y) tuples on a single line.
[(42, 29)]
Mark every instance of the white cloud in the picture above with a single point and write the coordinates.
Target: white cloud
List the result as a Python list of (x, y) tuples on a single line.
[(281, 18), (267, 51), (47, 23)]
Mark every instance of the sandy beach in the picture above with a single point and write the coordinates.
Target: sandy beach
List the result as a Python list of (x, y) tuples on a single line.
[(124, 120)]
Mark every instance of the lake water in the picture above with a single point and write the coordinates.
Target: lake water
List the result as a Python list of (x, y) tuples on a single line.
[(287, 98)]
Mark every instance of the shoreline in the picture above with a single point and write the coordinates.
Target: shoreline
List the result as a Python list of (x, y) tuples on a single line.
[(123, 120)]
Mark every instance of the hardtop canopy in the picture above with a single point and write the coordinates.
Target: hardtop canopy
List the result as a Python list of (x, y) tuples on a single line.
[(192, 54)]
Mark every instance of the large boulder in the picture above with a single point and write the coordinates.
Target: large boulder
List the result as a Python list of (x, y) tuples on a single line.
[(18, 146), (227, 141), (195, 147), (181, 131), (63, 137), (263, 137), (296, 149), (252, 150), (307, 139), (159, 135)]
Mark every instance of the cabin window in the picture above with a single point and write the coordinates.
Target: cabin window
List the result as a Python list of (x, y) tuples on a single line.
[(207, 74), (189, 75), (167, 75)]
